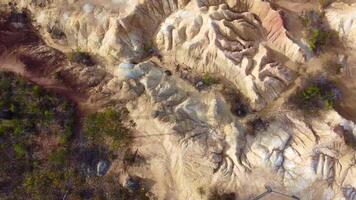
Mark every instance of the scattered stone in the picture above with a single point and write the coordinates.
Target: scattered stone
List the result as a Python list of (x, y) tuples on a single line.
[(133, 183), (102, 167), (199, 85)]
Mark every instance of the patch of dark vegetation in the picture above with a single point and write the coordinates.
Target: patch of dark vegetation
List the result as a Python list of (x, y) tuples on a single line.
[(208, 79), (81, 57), (315, 95), (317, 34), (256, 125), (56, 32), (239, 104), (132, 158), (318, 39), (40, 156), (168, 72), (214, 194)]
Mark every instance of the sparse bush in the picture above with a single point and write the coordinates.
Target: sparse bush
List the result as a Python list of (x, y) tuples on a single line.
[(312, 19), (317, 36), (81, 58), (317, 39), (216, 195), (305, 21), (58, 157), (208, 79), (333, 67), (20, 150), (317, 94), (49, 183), (56, 33), (130, 157)]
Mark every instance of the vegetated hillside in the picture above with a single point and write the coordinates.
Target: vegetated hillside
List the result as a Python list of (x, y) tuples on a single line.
[(40, 155), (35, 129)]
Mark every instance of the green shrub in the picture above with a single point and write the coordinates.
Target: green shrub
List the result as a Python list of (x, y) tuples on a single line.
[(108, 123), (32, 112), (36, 90), (317, 39), (20, 150), (208, 79), (306, 21), (316, 34), (58, 157), (49, 183), (316, 95)]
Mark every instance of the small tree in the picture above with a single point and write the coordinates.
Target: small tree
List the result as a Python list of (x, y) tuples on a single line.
[(208, 79)]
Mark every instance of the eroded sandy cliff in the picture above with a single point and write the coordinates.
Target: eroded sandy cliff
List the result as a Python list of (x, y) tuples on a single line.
[(189, 135)]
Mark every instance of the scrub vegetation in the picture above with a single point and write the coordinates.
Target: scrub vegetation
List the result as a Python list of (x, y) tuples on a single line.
[(43, 157), (318, 37), (316, 95)]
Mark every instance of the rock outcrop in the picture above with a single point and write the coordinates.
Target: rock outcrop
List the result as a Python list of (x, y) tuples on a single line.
[(207, 146), (217, 40), (119, 32)]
